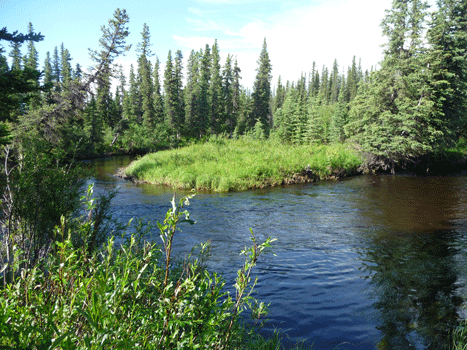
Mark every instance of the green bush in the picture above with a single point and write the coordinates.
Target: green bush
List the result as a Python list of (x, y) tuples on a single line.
[(127, 295)]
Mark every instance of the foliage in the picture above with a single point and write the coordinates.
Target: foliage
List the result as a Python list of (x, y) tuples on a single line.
[(126, 294), (38, 192)]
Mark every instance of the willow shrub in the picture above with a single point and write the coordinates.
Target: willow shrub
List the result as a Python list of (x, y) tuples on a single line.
[(125, 295), (233, 165)]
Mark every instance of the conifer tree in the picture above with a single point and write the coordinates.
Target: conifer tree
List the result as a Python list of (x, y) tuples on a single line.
[(339, 118), (48, 73), (78, 72), (227, 97), (31, 60), (236, 90), (447, 62), (192, 94), (395, 120), (204, 82), (158, 101), (65, 65), (335, 83), (262, 92), (215, 92), (146, 89), (170, 90), (56, 67), (313, 88), (132, 110), (179, 97), (15, 55), (279, 96)]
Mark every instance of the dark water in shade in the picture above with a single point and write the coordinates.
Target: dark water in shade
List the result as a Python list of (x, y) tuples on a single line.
[(371, 262)]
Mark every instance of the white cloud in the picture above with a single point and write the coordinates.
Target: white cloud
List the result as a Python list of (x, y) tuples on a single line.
[(301, 35)]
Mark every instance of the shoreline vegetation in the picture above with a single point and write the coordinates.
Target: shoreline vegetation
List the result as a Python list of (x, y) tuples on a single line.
[(223, 165)]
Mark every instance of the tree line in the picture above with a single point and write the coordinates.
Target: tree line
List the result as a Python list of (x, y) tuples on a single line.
[(410, 108)]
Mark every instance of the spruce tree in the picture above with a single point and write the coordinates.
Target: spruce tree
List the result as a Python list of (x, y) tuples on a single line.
[(262, 92), (215, 92), (447, 62), (203, 101), (48, 72), (227, 97), (178, 91), (146, 88), (158, 101), (65, 65), (31, 60), (236, 90), (192, 94), (335, 83), (395, 119), (279, 96), (15, 55), (56, 67), (170, 94)]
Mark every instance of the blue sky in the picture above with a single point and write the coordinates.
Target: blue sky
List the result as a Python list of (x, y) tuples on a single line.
[(297, 32)]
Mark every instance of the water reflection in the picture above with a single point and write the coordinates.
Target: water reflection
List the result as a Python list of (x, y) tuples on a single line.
[(410, 256)]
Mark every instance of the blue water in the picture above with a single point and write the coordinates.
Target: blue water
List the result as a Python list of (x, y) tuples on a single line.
[(363, 263)]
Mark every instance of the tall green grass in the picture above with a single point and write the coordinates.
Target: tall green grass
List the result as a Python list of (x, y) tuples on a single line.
[(223, 165)]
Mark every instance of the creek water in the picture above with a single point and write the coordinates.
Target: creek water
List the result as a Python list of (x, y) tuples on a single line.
[(370, 262)]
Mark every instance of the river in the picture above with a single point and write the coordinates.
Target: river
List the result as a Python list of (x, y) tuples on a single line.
[(370, 262)]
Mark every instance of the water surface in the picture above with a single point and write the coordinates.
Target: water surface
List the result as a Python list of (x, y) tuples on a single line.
[(371, 262)]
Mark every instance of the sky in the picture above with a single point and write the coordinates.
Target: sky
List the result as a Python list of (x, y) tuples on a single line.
[(297, 32)]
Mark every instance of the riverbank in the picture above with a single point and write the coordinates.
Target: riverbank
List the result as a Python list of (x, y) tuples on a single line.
[(223, 165)]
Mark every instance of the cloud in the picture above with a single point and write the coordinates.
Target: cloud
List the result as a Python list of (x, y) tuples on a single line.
[(297, 35)]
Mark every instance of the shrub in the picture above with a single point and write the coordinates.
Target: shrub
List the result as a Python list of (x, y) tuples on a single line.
[(127, 295)]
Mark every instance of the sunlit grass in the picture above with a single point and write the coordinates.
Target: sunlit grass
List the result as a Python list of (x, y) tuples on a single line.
[(234, 165)]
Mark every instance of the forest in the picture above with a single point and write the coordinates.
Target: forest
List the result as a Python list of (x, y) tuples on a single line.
[(409, 110)]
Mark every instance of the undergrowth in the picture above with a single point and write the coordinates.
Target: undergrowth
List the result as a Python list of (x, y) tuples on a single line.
[(128, 294)]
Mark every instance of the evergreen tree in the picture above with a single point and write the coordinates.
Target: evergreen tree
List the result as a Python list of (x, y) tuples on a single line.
[(313, 88), (447, 62), (145, 77), (279, 96), (262, 91), (78, 72), (192, 94), (334, 83), (339, 118), (132, 111), (215, 92), (395, 120), (15, 55), (236, 90), (170, 89), (31, 60), (204, 82), (158, 101), (56, 67), (65, 65), (227, 97), (178, 91), (48, 72)]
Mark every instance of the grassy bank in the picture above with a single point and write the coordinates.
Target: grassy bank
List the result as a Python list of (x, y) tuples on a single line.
[(233, 165)]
